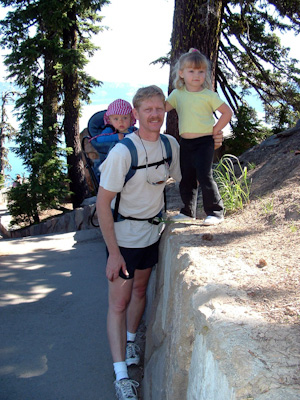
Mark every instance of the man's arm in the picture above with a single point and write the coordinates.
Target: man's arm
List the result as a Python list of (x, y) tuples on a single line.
[(218, 138), (115, 260)]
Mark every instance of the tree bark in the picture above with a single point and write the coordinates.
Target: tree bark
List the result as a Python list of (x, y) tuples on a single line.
[(50, 101), (196, 23), (2, 138), (78, 183)]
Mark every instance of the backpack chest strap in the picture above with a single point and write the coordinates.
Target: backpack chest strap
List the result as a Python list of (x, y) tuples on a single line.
[(154, 220)]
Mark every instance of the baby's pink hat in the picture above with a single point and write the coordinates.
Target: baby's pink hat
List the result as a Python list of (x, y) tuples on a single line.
[(119, 107)]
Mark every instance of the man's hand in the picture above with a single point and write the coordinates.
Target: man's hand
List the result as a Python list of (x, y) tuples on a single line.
[(113, 266), (218, 138)]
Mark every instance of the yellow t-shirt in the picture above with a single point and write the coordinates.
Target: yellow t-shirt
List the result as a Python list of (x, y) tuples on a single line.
[(195, 110)]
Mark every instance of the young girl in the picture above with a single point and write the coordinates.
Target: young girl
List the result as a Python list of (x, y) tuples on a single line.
[(195, 104)]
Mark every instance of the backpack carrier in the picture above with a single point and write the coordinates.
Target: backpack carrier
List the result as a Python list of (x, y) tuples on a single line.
[(95, 127)]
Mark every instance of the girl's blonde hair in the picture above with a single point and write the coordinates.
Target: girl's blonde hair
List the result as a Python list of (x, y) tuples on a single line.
[(192, 59)]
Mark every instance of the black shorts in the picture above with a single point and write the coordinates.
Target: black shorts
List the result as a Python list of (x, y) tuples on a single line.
[(138, 258)]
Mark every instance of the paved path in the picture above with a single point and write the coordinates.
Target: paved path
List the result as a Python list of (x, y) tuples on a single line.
[(53, 304)]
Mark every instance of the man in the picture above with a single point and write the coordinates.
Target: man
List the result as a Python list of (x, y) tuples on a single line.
[(132, 244)]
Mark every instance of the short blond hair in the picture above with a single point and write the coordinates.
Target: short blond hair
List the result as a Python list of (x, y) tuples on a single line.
[(192, 59), (146, 93)]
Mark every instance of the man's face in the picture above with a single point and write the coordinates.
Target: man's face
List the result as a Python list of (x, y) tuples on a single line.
[(151, 114)]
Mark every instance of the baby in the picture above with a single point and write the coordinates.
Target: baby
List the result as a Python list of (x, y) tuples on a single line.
[(119, 121)]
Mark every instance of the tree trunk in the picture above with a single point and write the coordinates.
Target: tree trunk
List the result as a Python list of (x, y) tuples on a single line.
[(50, 102), (78, 183), (2, 137), (196, 23)]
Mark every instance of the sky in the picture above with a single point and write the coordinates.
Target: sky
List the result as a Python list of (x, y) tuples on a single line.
[(127, 49), (138, 32)]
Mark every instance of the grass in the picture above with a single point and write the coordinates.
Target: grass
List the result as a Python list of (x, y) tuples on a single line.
[(268, 206), (233, 182), (293, 228), (251, 166)]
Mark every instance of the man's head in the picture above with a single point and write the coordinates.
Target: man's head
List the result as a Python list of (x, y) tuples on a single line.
[(145, 93), (149, 109)]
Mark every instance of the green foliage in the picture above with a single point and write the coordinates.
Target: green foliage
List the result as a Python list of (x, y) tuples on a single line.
[(247, 131), (2, 179), (281, 117), (293, 228), (40, 59), (233, 182), (46, 188), (6, 133), (253, 59), (51, 179), (268, 206), (22, 205), (251, 165)]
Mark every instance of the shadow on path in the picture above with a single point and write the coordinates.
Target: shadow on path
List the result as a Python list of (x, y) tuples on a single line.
[(53, 305)]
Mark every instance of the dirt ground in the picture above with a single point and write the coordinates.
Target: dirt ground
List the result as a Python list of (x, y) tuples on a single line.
[(266, 233)]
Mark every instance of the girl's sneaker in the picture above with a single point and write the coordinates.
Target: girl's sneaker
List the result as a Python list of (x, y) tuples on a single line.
[(212, 220), (182, 218)]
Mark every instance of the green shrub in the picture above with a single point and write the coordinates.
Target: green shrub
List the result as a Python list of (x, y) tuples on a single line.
[(22, 205), (2, 180), (234, 190), (45, 188), (247, 131)]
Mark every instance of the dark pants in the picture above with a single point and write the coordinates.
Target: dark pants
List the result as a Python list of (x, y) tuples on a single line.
[(196, 158)]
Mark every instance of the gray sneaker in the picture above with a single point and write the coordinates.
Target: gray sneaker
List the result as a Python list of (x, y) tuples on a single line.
[(132, 354), (126, 389)]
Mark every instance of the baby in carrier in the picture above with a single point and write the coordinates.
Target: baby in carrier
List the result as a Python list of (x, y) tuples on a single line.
[(109, 127), (119, 121)]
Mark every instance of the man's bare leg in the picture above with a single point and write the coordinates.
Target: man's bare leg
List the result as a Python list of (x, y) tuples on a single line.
[(119, 298), (137, 303)]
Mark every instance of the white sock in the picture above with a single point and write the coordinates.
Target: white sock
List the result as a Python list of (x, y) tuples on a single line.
[(120, 370), (131, 336)]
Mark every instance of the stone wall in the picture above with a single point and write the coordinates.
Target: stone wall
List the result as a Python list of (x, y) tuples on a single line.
[(76, 220), (202, 343)]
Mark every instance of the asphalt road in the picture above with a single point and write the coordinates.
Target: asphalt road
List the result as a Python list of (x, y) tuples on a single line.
[(53, 304)]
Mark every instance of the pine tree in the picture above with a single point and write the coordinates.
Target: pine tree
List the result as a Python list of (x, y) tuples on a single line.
[(48, 67), (6, 133), (74, 79)]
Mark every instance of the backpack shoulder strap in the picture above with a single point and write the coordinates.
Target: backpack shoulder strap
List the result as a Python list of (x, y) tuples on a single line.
[(134, 157), (134, 162), (168, 148)]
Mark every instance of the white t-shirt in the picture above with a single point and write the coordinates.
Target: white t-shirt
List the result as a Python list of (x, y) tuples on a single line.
[(139, 199)]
